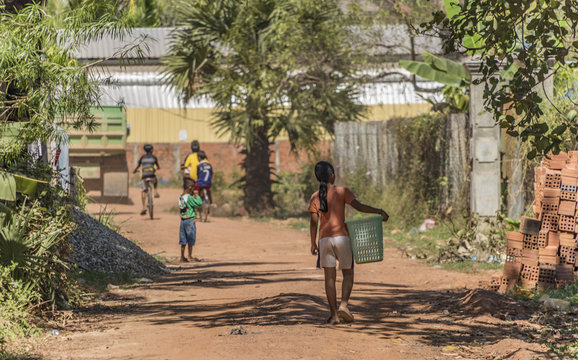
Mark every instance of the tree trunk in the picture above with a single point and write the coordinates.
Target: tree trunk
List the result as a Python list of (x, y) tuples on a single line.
[(258, 199)]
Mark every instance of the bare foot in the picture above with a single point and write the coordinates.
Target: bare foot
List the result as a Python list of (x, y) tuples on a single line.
[(332, 321), (184, 259), (191, 258)]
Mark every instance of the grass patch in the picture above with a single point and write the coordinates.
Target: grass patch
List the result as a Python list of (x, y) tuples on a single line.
[(299, 224), (100, 281), (568, 293), (160, 258), (560, 333), (471, 267), (415, 244), (19, 355)]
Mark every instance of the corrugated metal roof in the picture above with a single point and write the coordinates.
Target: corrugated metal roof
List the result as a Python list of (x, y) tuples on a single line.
[(146, 90), (154, 42), (388, 40)]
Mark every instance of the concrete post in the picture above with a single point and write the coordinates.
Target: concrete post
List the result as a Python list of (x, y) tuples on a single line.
[(484, 149)]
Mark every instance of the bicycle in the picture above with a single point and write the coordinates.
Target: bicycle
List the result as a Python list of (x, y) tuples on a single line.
[(206, 207), (150, 196)]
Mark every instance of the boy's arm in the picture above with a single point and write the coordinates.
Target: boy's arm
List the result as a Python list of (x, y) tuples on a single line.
[(185, 163), (137, 165), (369, 209), (195, 200), (313, 232)]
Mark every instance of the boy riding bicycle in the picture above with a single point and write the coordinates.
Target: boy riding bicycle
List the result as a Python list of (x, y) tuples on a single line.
[(204, 176), (190, 164), (150, 164)]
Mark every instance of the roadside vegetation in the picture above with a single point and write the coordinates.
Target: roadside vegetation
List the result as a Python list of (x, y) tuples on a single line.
[(40, 81)]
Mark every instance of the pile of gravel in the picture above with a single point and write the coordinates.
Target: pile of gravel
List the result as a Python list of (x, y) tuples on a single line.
[(98, 248)]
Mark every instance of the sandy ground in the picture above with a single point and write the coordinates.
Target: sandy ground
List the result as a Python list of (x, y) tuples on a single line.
[(260, 276)]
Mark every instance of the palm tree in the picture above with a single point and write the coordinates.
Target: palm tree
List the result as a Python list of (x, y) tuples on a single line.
[(273, 68)]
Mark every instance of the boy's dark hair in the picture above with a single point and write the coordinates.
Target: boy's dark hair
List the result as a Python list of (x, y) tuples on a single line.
[(323, 172), (195, 147), (201, 154)]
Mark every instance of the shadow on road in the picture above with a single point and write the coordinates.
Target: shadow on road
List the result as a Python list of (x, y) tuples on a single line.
[(387, 311)]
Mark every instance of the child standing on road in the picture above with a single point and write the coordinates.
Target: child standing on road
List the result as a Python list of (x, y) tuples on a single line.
[(188, 201), (327, 206)]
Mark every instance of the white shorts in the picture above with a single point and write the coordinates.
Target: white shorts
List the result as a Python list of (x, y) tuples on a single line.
[(336, 248)]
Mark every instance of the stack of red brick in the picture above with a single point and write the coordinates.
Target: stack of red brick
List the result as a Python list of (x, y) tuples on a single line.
[(543, 253)]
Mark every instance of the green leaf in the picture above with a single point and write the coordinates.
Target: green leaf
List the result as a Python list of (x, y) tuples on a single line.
[(7, 187), (452, 7), (473, 42), (559, 129), (425, 71), (446, 65), (509, 71)]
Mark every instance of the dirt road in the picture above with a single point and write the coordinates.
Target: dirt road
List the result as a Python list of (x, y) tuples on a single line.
[(260, 276)]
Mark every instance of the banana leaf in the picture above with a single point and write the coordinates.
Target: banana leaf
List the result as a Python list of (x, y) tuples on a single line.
[(426, 71), (7, 187), (446, 65), (10, 184), (28, 186)]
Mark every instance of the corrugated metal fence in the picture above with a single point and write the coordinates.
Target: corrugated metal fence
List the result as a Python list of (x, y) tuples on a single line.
[(373, 147)]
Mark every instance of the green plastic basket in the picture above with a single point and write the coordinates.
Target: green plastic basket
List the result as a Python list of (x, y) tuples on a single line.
[(366, 235)]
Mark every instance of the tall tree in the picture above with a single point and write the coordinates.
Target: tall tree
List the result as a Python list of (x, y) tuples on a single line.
[(40, 81), (520, 45), (273, 68)]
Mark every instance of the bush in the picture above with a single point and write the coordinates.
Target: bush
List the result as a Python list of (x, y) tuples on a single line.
[(16, 300), (293, 191), (227, 194), (34, 240)]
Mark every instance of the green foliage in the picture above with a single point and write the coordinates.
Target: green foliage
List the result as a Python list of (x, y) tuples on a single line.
[(293, 191), (444, 71), (568, 293), (557, 113), (139, 13), (106, 218), (16, 300), (393, 12), (453, 75), (272, 67), (456, 98), (520, 41), (100, 281), (419, 188), (471, 267), (40, 79), (35, 241), (560, 333), (475, 238), (421, 143), (227, 190)]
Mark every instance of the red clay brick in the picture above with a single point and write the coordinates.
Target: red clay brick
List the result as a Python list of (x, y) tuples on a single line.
[(567, 208), (567, 239)]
